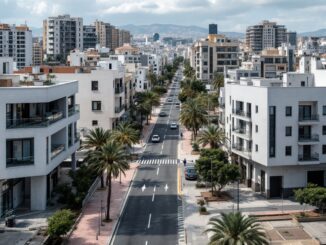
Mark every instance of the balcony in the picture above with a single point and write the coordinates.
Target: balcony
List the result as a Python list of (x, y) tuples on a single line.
[(242, 132), (118, 90), (35, 122), (73, 110), (308, 139), (15, 162), (309, 118), (119, 109), (308, 158), (56, 150), (241, 150), (241, 113)]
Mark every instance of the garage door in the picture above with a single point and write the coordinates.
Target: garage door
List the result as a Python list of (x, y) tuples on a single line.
[(275, 186)]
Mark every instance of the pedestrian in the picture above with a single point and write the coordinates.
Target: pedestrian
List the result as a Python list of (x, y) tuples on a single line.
[(181, 134), (184, 162)]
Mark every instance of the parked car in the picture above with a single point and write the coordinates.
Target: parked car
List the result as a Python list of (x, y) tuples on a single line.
[(155, 138), (190, 173), (162, 114), (169, 100), (173, 125)]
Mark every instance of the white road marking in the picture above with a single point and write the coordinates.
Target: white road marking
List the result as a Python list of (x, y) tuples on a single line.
[(149, 221), (153, 197), (146, 243), (158, 170), (143, 188), (166, 187), (154, 188)]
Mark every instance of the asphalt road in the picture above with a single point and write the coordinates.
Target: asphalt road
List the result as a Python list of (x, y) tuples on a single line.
[(151, 211)]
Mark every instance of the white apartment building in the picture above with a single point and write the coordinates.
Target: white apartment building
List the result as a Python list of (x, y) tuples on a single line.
[(216, 53), (16, 42), (277, 131), (101, 94), (62, 34), (142, 84), (6, 65), (154, 62), (38, 128)]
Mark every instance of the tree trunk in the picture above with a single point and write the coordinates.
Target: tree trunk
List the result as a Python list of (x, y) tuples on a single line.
[(102, 179), (147, 120), (108, 203)]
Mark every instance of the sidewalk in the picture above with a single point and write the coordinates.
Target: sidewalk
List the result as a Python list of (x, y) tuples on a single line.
[(88, 227)]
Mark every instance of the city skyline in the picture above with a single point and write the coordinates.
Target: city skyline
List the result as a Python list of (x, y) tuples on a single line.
[(232, 15)]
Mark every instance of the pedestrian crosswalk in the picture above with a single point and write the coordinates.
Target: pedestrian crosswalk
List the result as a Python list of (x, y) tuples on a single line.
[(158, 161)]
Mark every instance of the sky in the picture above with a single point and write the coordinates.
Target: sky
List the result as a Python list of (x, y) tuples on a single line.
[(230, 15)]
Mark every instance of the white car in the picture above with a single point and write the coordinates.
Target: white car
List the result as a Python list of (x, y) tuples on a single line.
[(155, 138), (169, 100), (173, 126)]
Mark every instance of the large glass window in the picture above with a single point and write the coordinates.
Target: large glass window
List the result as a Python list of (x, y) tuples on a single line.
[(20, 152), (272, 130)]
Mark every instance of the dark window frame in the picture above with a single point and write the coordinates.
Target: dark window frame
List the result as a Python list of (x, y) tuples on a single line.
[(96, 105)]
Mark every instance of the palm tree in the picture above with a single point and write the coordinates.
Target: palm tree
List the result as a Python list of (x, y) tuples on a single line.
[(218, 82), (235, 229), (95, 140), (153, 99), (143, 108), (152, 77), (125, 134), (213, 136), (112, 158), (193, 116)]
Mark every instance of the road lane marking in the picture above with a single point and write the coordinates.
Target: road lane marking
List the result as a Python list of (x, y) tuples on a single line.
[(166, 187), (158, 170), (153, 197), (149, 221), (143, 188), (146, 243), (154, 188)]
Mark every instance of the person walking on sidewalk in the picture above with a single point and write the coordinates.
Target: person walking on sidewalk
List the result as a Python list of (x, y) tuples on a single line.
[(184, 162)]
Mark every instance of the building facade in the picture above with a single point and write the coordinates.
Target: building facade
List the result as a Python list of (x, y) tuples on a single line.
[(89, 37), (265, 35), (37, 54), (62, 34), (212, 29), (16, 42), (39, 130)]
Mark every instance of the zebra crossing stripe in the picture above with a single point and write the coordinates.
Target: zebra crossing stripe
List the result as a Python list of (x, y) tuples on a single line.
[(157, 161)]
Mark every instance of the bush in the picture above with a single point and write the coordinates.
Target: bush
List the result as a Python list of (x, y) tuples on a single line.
[(202, 209), (201, 202), (195, 146), (159, 89), (60, 223)]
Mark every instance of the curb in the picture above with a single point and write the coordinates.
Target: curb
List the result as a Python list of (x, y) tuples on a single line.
[(122, 207)]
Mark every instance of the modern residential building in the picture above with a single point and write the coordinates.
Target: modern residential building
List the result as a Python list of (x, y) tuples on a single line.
[(291, 38), (212, 29), (6, 65), (89, 37), (88, 58), (265, 35), (216, 53), (37, 54), (61, 35), (124, 37), (277, 131), (16, 42), (142, 84), (38, 127)]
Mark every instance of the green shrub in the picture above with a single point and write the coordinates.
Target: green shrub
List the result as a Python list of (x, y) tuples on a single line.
[(202, 209), (195, 146), (201, 202), (60, 222)]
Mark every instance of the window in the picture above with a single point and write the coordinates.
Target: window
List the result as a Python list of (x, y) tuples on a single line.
[(94, 85), (324, 149), (303, 84), (288, 131), (94, 123), (256, 146), (256, 128), (20, 152), (324, 110), (288, 150), (288, 111), (256, 108), (272, 130), (96, 105), (324, 130)]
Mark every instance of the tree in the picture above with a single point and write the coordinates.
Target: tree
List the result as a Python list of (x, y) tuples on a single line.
[(312, 195), (112, 158), (152, 77), (213, 136), (218, 82), (193, 116), (94, 141), (125, 134), (188, 71), (236, 229), (60, 223)]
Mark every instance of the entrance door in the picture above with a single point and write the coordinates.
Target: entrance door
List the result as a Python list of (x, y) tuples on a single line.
[(315, 177), (275, 183), (262, 178)]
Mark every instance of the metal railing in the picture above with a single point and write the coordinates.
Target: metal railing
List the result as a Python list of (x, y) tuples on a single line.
[(56, 150), (307, 138), (73, 110), (119, 109), (304, 118), (241, 113), (35, 122), (25, 160), (118, 90), (305, 158), (239, 147)]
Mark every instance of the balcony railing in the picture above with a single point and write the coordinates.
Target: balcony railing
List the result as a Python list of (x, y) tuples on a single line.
[(118, 90), (26, 160), (35, 122), (239, 147), (307, 138), (308, 158), (303, 118), (73, 110), (56, 150), (119, 109), (222, 105), (241, 113)]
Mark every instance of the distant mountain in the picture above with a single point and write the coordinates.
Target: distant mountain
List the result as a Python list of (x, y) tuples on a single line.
[(167, 30), (318, 33)]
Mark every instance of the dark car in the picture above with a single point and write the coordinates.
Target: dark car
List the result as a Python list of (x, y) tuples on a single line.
[(190, 173), (162, 114)]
